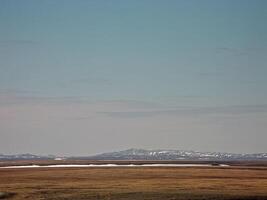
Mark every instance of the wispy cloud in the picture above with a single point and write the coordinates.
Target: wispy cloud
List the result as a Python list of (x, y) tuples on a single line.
[(22, 97), (19, 96), (239, 51), (85, 108), (16, 92), (18, 42), (233, 110), (86, 81)]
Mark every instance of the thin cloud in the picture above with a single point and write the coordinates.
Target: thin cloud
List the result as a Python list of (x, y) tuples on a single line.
[(16, 91), (18, 42), (239, 51), (232, 110), (18, 97)]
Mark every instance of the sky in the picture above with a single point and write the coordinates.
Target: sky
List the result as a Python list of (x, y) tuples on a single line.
[(86, 77)]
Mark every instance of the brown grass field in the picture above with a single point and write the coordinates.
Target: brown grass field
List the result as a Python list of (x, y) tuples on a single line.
[(125, 183)]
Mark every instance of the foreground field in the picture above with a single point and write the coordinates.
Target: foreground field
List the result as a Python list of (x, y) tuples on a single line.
[(162, 183)]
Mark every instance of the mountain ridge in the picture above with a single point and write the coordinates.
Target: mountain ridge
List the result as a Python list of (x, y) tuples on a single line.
[(170, 154), (144, 154)]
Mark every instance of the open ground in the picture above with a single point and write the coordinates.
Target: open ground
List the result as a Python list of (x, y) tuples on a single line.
[(124, 183)]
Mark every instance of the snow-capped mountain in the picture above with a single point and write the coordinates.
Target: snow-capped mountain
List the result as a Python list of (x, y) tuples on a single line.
[(26, 156), (141, 154)]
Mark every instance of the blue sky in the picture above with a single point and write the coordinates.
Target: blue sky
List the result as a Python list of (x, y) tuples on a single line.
[(134, 58)]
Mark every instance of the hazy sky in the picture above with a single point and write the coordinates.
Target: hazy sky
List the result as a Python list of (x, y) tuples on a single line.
[(84, 77)]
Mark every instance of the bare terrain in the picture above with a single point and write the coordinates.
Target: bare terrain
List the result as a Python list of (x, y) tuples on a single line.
[(237, 182)]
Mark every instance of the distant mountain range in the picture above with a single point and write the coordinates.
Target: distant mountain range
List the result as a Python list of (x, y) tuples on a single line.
[(26, 156), (142, 154)]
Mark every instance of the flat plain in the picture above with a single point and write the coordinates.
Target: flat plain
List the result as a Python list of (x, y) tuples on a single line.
[(135, 183)]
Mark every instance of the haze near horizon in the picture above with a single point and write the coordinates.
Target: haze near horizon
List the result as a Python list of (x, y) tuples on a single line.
[(86, 77)]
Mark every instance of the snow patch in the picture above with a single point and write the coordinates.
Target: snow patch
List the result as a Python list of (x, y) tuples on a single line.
[(114, 165)]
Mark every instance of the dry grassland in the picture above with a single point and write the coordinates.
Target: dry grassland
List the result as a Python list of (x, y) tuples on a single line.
[(124, 183)]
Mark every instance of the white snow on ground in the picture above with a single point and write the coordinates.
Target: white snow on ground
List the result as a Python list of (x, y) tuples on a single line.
[(59, 159), (22, 166), (223, 165), (115, 165)]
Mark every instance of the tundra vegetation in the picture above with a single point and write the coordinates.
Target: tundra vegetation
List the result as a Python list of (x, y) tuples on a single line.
[(123, 183)]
